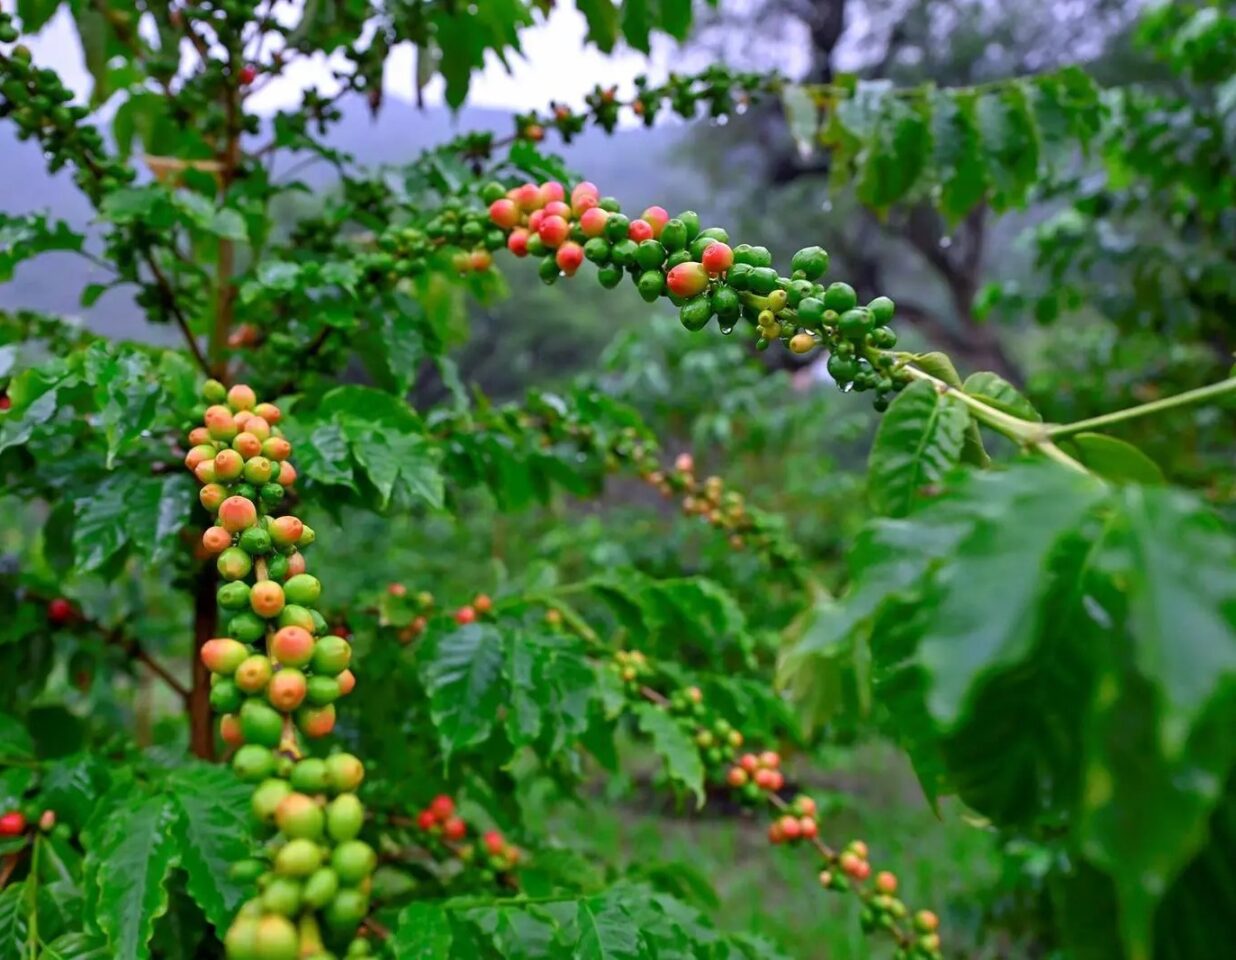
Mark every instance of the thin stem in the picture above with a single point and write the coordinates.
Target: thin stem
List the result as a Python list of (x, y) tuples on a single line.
[(1198, 395), (1015, 428)]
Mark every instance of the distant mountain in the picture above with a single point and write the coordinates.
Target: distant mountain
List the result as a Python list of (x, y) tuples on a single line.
[(636, 166)]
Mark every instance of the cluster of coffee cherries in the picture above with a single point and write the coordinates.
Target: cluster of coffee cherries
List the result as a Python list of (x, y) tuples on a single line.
[(447, 835), (276, 674), (698, 270), (758, 780), (718, 89), (413, 610)]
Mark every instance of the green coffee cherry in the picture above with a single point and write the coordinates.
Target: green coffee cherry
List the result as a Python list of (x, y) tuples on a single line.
[(303, 589), (233, 596), (345, 816), (811, 262), (840, 297), (261, 724), (253, 763)]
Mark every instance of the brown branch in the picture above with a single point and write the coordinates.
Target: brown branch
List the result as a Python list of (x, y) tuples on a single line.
[(138, 653), (9, 865), (169, 298)]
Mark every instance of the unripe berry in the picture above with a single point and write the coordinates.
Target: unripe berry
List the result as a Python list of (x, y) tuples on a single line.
[(223, 655), (237, 513), (592, 222), (687, 280), (345, 772), (322, 690), (261, 724), (717, 258), (926, 922), (344, 817), (554, 231), (253, 763), (286, 690), (504, 213), (309, 775), (266, 598), (331, 656), (253, 673), (234, 564), (316, 722), (294, 615), (298, 858), (346, 910), (281, 897), (247, 445), (569, 257), (298, 816), (296, 565), (303, 589), (241, 397), (320, 888), (213, 391), (292, 646), (353, 861), (258, 470)]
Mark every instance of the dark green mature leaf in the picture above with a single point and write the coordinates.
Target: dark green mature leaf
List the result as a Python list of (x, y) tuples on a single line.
[(77, 946), (462, 672), (24, 237), (675, 746), (423, 933), (132, 858), (13, 925), (213, 831), (957, 158), (637, 24), (15, 741), (997, 392), (1011, 139), (987, 609), (897, 152), (1113, 459), (144, 512), (35, 14), (102, 521), (72, 786), (606, 931), (919, 440), (523, 718), (602, 19)]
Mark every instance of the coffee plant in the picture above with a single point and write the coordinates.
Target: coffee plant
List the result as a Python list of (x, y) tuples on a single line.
[(217, 742)]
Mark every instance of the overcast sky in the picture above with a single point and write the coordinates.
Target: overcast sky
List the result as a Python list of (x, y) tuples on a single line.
[(556, 66)]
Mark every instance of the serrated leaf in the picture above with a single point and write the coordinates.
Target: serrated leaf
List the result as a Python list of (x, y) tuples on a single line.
[(76, 946), (997, 392), (523, 718), (957, 157), (214, 832), (13, 923), (423, 933), (131, 861), (1113, 459), (675, 746), (987, 610), (606, 931), (72, 786), (918, 442), (1011, 144), (462, 671), (102, 522), (896, 153), (602, 19)]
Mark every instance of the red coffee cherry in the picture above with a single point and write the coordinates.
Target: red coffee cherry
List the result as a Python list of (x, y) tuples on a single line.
[(465, 615), (247, 75), (59, 610), (12, 824)]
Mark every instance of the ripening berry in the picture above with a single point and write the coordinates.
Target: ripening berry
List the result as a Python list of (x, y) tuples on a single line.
[(248, 73), (504, 213), (802, 343), (253, 673), (465, 615), (774, 832), (454, 829), (526, 196), (552, 190), (926, 922), (223, 655), (229, 730), (292, 646), (266, 598), (569, 257), (592, 221), (285, 531), (268, 412), (534, 220), (242, 418), (59, 610), (316, 722), (228, 465), (199, 436), (640, 230), (737, 777), (765, 779), (657, 218), (554, 231), (482, 603), (790, 827), (296, 565), (556, 208), (205, 472), (258, 470), (397, 590), (749, 762), (237, 514), (345, 772), (808, 829), (247, 444), (442, 806), (258, 427), (494, 842), (234, 564), (298, 816), (287, 474), (687, 280), (12, 824), (241, 397), (276, 449), (805, 805), (517, 242), (199, 454), (220, 422), (858, 848), (303, 589), (886, 882), (582, 202), (347, 682), (286, 690), (717, 258), (771, 759)]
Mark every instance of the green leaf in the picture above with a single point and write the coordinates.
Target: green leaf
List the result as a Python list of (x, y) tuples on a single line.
[(13, 924), (15, 741), (35, 14), (802, 116), (997, 392), (606, 931), (23, 237), (214, 832), (676, 18), (1010, 138), (1113, 459), (132, 858), (602, 19), (462, 671), (637, 24), (423, 933), (896, 153), (918, 442), (675, 746), (957, 155), (525, 678), (102, 521), (988, 606), (72, 786), (76, 946)]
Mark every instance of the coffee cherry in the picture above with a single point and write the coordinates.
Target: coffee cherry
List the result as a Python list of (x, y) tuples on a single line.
[(258, 471), (687, 280), (640, 230), (298, 858), (517, 242), (225, 696), (657, 218), (811, 262), (294, 615), (281, 897), (248, 73), (268, 412), (482, 604), (299, 817), (316, 722), (255, 541), (303, 589), (442, 806), (241, 397), (454, 828), (253, 673), (465, 615), (344, 817), (320, 888), (553, 231), (505, 213), (12, 824), (569, 257), (59, 610), (292, 646), (347, 680), (331, 656), (266, 598), (802, 343), (287, 474), (593, 221), (346, 910), (886, 882), (551, 190), (247, 445), (234, 564), (247, 627), (287, 689), (926, 922), (286, 531), (220, 423), (237, 514), (211, 496), (345, 772), (717, 258), (229, 730), (353, 861), (253, 763)]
